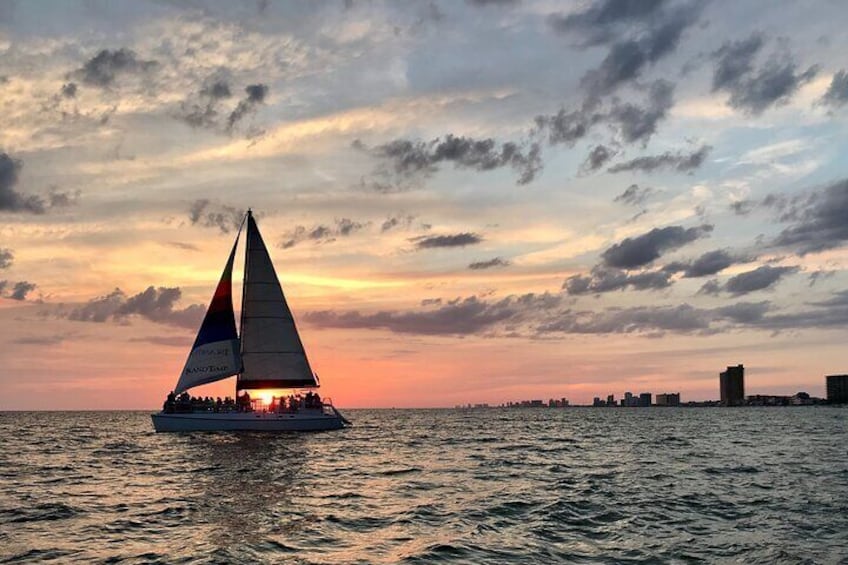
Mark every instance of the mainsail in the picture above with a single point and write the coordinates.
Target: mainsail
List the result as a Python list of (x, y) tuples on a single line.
[(271, 351), (215, 354)]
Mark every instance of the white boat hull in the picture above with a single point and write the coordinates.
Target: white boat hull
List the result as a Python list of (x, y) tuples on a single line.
[(306, 420)]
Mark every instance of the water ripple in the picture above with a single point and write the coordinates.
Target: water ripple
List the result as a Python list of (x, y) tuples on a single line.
[(432, 486)]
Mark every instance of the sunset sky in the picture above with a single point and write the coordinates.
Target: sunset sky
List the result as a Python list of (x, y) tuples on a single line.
[(480, 201)]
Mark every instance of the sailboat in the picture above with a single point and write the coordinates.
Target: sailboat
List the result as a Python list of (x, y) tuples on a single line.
[(267, 354)]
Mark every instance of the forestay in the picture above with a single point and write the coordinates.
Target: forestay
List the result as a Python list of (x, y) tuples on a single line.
[(271, 351)]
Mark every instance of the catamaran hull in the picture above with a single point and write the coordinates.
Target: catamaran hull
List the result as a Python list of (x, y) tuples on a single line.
[(249, 421)]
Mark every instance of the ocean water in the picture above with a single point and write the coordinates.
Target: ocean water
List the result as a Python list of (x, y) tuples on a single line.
[(752, 485)]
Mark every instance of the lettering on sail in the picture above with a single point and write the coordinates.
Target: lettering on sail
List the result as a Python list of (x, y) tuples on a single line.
[(208, 369)]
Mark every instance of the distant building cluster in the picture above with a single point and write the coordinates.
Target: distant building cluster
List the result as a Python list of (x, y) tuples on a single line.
[(551, 403), (731, 391), (642, 400)]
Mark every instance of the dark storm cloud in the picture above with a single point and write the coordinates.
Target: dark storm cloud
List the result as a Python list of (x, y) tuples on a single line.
[(603, 279), (21, 290), (409, 159), (837, 93), (639, 123), (642, 250), (212, 215), (453, 240), (753, 90), (491, 263), (342, 227), (634, 195), (464, 316), (255, 95), (709, 263), (597, 158), (154, 304), (103, 68), (758, 279), (681, 162), (818, 220), (6, 257)]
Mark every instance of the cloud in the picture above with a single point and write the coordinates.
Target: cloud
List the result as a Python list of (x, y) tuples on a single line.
[(634, 195), (742, 207), (601, 21), (646, 248), (10, 199), (709, 263), (69, 90), (485, 3), (568, 127), (40, 340), (681, 162), (457, 317), (154, 304), (649, 40), (13, 201), (393, 222), (837, 93), (758, 279), (255, 95), (819, 220), (632, 122), (491, 263), (21, 290), (453, 240), (682, 319), (414, 160), (104, 68), (6, 258), (602, 279), (212, 215), (755, 90), (597, 158), (638, 123), (202, 110), (342, 227)]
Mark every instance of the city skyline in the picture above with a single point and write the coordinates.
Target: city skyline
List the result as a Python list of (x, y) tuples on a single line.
[(465, 201)]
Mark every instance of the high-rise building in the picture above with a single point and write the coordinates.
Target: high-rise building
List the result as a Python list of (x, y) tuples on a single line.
[(837, 389), (645, 399), (732, 386), (668, 399)]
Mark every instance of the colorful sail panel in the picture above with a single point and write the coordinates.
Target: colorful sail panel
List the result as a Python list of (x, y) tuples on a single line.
[(215, 354), (271, 351)]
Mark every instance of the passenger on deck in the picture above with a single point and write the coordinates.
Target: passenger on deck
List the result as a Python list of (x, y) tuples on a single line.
[(170, 403)]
